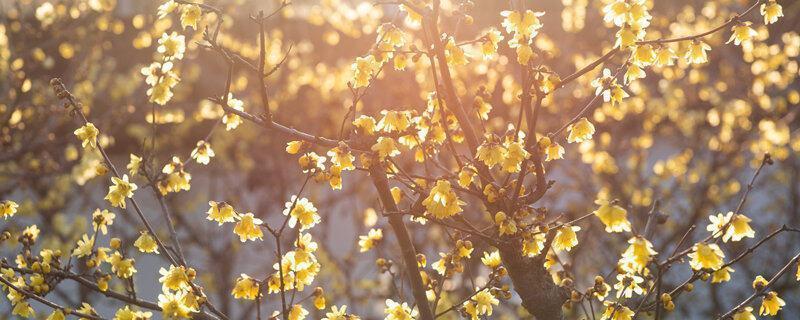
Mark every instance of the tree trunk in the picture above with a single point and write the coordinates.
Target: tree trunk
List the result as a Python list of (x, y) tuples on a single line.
[(534, 284)]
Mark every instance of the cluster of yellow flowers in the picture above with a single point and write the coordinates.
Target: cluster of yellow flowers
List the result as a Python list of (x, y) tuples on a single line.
[(365, 243), (160, 75), (390, 37), (380, 140), (509, 154), (178, 299), (523, 26), (8, 209)]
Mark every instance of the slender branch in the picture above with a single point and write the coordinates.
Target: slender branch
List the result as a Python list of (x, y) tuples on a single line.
[(761, 291)]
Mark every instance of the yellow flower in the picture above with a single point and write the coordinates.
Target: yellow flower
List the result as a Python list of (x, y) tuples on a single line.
[(697, 52), (771, 11), (665, 57), (639, 253), (172, 45), (524, 24), (84, 246), (515, 154), (614, 217), (524, 54), (601, 288), (203, 152), (8, 208), (638, 15), (166, 8), (771, 304), (634, 72), (491, 193), (176, 278), (722, 275), (172, 305), (397, 311), (31, 232), (303, 211), (385, 147), (413, 18), (489, 46), (466, 176), (88, 135), (232, 120), (305, 249), (120, 191), (394, 121), (319, 299), (342, 157), (442, 265), (730, 227), (464, 249), (311, 161), (553, 150), (365, 243), (745, 313), (298, 146), (739, 228), (628, 284), (442, 201), (484, 301), (400, 62), (102, 219), (221, 212), (161, 93), (604, 84), (482, 107), (580, 131), (134, 164), (190, 15), (248, 228), (616, 12), (505, 225), (363, 69), (245, 288), (617, 312), (454, 54), (366, 124), (177, 179), (617, 94), (759, 282), (128, 314), (22, 308), (566, 238), (491, 259), (146, 243), (627, 37), (87, 309), (297, 312), (122, 267), (339, 313), (532, 244), (490, 152), (742, 32), (707, 256), (643, 55), (59, 315)]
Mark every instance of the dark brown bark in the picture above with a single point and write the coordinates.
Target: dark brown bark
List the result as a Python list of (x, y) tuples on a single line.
[(534, 284)]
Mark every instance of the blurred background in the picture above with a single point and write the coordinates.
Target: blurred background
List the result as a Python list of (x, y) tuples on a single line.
[(690, 137)]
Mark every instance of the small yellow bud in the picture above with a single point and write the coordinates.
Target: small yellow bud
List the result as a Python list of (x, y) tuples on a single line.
[(115, 243)]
